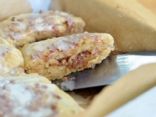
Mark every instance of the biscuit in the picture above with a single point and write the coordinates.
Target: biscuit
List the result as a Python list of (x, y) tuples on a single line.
[(58, 57), (11, 59), (26, 28), (20, 98), (23, 78)]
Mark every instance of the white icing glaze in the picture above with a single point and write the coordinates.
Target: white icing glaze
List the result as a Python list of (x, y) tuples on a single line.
[(23, 96), (42, 27), (38, 20), (21, 26), (3, 49), (19, 92), (48, 24), (17, 36), (39, 46), (3, 63), (67, 42), (61, 44)]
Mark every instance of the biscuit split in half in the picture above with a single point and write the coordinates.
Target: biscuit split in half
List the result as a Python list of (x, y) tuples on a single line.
[(58, 57)]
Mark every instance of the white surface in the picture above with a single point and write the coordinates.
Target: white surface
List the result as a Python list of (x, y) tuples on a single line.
[(142, 106), (40, 5)]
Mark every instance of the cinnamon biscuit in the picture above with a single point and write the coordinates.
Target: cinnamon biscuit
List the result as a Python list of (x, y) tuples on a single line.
[(11, 59), (26, 28), (21, 98), (58, 57)]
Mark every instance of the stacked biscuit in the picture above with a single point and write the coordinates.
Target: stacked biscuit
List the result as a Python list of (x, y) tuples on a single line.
[(53, 45)]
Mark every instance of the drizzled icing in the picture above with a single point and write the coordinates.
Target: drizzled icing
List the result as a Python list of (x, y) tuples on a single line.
[(54, 23), (58, 47), (3, 62), (27, 100), (3, 50), (67, 42)]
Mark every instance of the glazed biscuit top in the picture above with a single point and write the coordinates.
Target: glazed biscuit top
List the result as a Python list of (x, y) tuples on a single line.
[(28, 100), (48, 48), (55, 22), (23, 78)]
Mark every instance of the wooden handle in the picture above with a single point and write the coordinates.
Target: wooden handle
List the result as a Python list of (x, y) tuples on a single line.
[(127, 88)]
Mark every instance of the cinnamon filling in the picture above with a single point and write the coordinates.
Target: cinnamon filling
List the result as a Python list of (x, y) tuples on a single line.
[(76, 62)]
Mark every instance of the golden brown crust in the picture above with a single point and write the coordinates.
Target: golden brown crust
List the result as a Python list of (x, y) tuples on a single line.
[(56, 58), (26, 28), (23, 98)]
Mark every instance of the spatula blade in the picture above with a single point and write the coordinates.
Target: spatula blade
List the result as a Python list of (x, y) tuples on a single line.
[(110, 70)]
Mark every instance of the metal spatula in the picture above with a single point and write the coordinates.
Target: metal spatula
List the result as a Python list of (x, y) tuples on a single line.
[(110, 70)]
